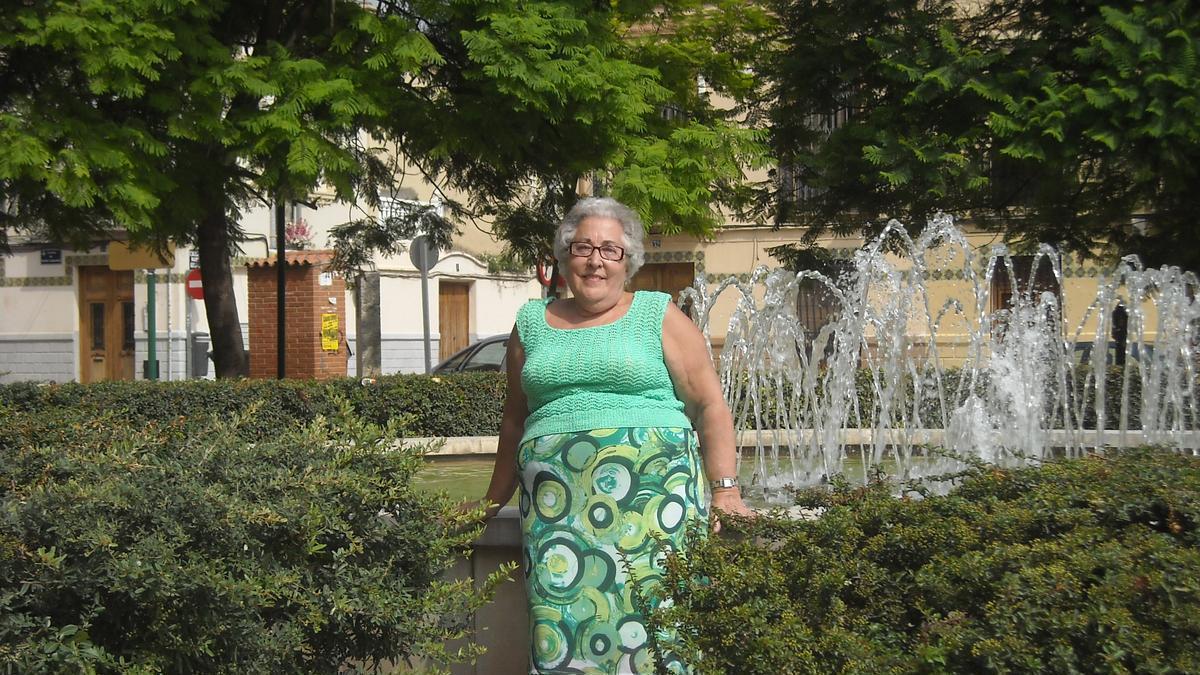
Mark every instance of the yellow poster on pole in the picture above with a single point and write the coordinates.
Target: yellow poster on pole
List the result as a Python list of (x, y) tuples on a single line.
[(125, 256), (329, 332)]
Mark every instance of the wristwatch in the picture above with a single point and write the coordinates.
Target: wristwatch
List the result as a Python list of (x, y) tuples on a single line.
[(726, 482)]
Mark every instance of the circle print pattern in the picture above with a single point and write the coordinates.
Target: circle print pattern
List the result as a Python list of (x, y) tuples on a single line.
[(602, 642), (551, 497), (602, 518), (671, 512), (561, 559), (550, 644), (579, 452), (594, 506), (613, 475)]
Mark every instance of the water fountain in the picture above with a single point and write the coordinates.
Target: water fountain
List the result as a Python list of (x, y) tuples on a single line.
[(1000, 373)]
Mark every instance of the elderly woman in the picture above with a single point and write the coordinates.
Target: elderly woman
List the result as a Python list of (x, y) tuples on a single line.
[(607, 393)]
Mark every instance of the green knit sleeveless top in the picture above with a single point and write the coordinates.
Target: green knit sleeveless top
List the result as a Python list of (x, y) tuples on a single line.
[(600, 377)]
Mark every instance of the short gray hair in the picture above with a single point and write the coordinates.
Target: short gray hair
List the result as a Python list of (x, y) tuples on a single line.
[(602, 207)]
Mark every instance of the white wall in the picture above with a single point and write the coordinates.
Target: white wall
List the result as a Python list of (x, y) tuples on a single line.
[(38, 309), (39, 320), (494, 302), (37, 356)]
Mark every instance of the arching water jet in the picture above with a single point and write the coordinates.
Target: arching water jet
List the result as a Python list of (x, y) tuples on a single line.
[(1001, 371)]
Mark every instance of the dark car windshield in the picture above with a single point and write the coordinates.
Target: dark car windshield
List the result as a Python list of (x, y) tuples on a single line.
[(489, 357), (454, 362)]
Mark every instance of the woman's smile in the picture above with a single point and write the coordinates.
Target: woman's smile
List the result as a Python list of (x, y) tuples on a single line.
[(598, 283)]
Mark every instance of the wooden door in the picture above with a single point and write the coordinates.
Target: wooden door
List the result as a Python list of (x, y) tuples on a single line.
[(454, 316), (106, 324), (667, 277)]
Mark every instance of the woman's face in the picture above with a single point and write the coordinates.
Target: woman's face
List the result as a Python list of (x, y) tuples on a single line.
[(594, 278)]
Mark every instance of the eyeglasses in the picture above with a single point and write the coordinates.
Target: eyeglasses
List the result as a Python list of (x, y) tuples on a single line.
[(582, 249)]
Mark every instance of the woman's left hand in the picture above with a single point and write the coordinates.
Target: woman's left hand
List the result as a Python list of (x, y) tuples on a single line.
[(728, 501)]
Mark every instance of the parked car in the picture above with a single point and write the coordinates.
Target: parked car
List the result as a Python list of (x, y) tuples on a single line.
[(481, 356)]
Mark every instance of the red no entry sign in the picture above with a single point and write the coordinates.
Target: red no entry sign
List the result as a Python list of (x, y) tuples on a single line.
[(195, 287)]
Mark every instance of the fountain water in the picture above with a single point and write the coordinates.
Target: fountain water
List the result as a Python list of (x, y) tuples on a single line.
[(1000, 373)]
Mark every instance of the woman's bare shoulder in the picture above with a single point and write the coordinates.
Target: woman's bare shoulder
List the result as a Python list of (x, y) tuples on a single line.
[(675, 319)]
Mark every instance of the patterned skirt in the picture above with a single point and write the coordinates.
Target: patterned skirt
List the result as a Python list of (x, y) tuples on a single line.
[(599, 509)]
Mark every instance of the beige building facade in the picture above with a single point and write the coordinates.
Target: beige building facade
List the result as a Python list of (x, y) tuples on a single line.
[(737, 250), (52, 300)]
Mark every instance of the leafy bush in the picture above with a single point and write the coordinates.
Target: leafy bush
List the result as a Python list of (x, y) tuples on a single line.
[(131, 544), (862, 411), (462, 404), (467, 404), (1088, 565)]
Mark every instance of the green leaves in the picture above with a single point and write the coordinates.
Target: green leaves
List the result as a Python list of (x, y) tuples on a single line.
[(169, 119), (1082, 565), (466, 404), (1098, 102), (672, 181), (179, 111), (143, 545)]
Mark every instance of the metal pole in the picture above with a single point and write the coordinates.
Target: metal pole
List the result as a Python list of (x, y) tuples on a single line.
[(281, 287), (151, 333), (425, 308), (188, 371), (170, 371)]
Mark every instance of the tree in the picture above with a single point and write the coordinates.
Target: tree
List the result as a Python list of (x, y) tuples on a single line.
[(648, 136), (1075, 123), (168, 118)]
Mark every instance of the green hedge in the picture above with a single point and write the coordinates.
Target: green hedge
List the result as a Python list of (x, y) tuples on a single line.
[(1083, 566), (467, 404), (929, 408), (134, 545)]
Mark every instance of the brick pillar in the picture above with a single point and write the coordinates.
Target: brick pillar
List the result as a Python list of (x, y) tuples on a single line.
[(308, 302)]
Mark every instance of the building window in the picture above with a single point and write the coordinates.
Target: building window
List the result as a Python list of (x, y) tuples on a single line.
[(673, 112), (1022, 272), (1011, 182), (397, 208), (792, 187), (127, 324), (97, 326), (410, 210), (816, 307), (1029, 295)]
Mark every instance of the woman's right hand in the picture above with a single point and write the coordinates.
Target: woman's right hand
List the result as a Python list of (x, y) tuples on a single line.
[(492, 508), (503, 483)]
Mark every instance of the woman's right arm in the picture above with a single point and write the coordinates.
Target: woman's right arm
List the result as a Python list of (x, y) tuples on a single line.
[(512, 427)]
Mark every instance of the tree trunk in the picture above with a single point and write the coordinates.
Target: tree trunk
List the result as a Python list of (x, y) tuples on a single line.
[(220, 304), (366, 305)]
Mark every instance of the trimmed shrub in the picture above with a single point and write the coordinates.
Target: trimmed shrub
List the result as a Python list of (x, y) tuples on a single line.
[(466, 404), (1088, 565), (929, 409), (129, 544), (462, 404)]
